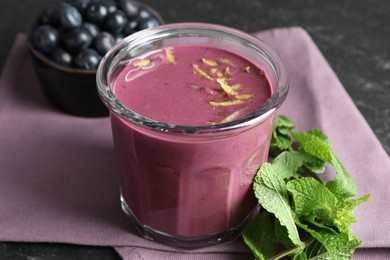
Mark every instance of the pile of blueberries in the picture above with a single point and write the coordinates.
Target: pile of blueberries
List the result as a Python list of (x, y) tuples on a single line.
[(77, 33)]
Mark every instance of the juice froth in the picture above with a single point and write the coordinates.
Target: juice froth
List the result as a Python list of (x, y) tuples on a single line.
[(179, 186)]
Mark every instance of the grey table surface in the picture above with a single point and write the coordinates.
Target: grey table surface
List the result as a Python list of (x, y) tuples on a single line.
[(353, 35)]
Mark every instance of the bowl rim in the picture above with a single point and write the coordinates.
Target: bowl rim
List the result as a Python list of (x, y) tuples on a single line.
[(43, 58)]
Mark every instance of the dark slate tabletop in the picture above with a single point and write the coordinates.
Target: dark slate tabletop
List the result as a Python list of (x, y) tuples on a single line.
[(354, 36)]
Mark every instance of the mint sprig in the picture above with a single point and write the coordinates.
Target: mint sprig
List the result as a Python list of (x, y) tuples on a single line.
[(302, 217)]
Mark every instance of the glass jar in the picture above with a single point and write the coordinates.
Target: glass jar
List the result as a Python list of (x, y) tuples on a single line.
[(190, 186)]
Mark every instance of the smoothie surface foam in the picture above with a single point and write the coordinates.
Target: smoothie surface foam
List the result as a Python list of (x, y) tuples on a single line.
[(192, 85)]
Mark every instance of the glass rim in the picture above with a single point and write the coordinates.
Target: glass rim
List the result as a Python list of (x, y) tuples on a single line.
[(185, 29)]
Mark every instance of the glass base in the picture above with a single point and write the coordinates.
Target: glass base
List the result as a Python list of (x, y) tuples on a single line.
[(152, 234)]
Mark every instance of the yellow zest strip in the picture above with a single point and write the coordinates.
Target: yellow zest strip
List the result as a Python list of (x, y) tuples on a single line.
[(226, 87), (171, 58), (211, 123), (244, 96), (220, 74), (226, 61), (196, 87), (237, 86), (227, 103), (232, 116), (201, 72), (210, 62), (247, 69), (142, 63), (213, 70), (226, 72)]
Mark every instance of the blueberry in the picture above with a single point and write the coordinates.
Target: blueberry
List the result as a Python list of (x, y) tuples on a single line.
[(62, 57), (129, 7), (115, 21), (118, 37), (48, 15), (130, 27), (87, 59), (81, 5), (45, 38), (77, 39), (144, 13), (148, 22), (79, 32), (69, 17), (110, 4), (93, 29), (104, 41), (96, 12)]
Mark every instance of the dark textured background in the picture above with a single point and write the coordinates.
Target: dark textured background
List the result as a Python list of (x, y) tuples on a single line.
[(353, 35)]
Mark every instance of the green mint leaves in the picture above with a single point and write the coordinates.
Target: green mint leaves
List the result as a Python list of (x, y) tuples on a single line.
[(281, 138), (302, 217)]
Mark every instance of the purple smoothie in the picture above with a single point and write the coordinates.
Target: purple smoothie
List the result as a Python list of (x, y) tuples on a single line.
[(182, 185)]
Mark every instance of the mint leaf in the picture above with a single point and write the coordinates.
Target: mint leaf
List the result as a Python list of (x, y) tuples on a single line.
[(317, 166), (300, 256), (328, 238), (260, 237), (343, 185), (282, 234), (345, 249), (281, 139), (270, 190), (289, 164), (316, 251), (319, 134), (314, 145), (316, 204), (319, 146), (299, 206), (283, 122), (345, 210), (313, 198)]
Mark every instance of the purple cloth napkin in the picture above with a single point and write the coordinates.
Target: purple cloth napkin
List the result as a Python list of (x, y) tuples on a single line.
[(57, 172)]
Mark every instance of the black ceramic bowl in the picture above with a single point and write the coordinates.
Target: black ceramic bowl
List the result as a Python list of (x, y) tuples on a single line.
[(69, 89)]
